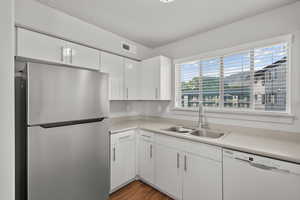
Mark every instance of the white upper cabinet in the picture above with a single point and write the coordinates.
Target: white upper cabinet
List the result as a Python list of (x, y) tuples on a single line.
[(156, 79), (132, 79), (150, 74), (42, 47), (84, 56), (114, 66), (38, 46)]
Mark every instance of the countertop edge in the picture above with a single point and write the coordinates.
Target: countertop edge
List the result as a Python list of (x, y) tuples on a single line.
[(215, 142)]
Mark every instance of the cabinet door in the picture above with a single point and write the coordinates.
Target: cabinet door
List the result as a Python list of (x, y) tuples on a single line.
[(165, 78), (39, 46), (132, 79), (150, 76), (115, 166), (126, 152), (114, 66), (85, 57), (146, 160), (202, 178), (167, 170), (123, 159)]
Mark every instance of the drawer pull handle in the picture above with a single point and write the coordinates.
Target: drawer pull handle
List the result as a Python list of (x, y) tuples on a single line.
[(185, 163), (178, 161), (114, 154), (124, 137)]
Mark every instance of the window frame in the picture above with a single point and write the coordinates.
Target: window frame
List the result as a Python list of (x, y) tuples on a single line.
[(288, 39)]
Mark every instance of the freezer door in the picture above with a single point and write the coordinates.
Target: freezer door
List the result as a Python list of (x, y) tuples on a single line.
[(69, 162), (59, 94)]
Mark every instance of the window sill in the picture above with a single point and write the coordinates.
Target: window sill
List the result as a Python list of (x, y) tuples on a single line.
[(270, 117)]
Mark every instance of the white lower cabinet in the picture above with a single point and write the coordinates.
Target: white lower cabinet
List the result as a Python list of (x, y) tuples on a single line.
[(123, 159), (188, 170), (182, 169), (202, 178), (146, 158), (167, 170)]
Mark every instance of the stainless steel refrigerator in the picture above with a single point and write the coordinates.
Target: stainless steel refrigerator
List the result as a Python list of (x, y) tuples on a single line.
[(62, 136)]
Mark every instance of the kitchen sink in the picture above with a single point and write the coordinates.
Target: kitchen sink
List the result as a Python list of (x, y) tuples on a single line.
[(207, 133), (179, 129)]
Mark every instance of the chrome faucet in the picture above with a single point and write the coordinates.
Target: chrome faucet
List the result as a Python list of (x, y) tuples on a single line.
[(201, 123)]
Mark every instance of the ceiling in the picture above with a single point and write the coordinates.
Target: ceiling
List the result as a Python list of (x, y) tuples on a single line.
[(154, 24)]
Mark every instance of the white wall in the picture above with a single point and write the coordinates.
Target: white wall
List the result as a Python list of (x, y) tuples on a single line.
[(270, 24), (7, 100), (133, 108), (40, 17), (284, 20)]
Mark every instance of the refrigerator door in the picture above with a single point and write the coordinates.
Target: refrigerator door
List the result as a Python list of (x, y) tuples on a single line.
[(69, 162), (59, 94)]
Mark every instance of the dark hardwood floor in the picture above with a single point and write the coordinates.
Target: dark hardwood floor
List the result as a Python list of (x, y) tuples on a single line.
[(138, 191)]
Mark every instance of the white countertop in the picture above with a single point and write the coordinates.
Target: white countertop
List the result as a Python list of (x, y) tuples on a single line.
[(278, 145)]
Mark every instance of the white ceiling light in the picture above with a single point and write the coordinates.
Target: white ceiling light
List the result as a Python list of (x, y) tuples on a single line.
[(166, 1)]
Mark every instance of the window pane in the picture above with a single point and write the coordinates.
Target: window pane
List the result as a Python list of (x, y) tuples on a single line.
[(255, 79), (270, 66), (189, 77), (210, 71), (237, 80)]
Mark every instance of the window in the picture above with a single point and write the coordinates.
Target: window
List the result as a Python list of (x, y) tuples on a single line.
[(237, 80), (210, 79), (254, 79)]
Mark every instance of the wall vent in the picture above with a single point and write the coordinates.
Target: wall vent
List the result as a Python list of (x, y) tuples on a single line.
[(128, 47)]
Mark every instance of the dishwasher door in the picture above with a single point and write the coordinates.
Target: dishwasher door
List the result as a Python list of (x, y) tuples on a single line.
[(251, 177)]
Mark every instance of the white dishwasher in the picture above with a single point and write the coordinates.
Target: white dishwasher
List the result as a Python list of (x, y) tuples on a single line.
[(251, 177)]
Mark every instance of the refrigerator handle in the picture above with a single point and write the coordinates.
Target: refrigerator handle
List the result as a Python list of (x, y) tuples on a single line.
[(71, 123)]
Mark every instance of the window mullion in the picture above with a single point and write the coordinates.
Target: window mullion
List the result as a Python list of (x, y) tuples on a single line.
[(200, 83), (221, 103), (252, 100), (178, 86)]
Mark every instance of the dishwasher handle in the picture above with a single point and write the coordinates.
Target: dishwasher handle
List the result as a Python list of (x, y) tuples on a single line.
[(263, 166), (256, 165)]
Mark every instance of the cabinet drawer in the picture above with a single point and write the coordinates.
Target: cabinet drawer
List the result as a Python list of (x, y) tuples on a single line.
[(169, 141), (146, 135), (204, 150), (126, 135), (196, 148)]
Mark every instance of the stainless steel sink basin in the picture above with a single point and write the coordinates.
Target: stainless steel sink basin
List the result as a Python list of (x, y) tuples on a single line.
[(178, 129), (207, 133)]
